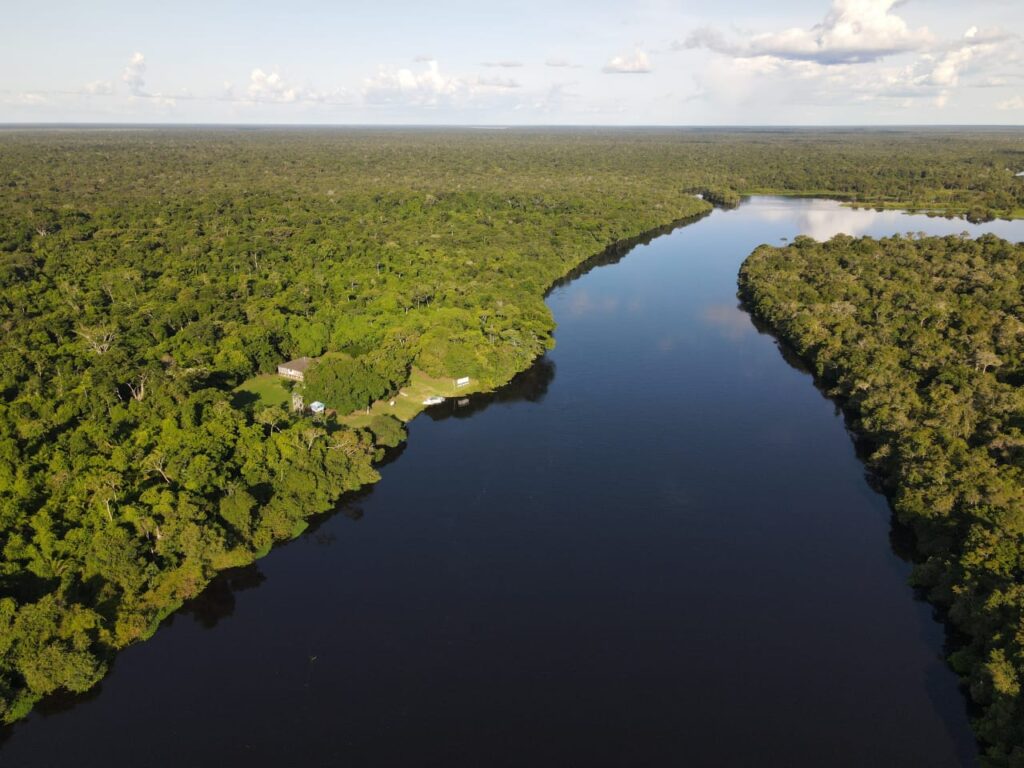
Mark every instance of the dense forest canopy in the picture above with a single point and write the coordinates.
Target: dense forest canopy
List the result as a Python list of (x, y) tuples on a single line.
[(146, 273), (922, 340)]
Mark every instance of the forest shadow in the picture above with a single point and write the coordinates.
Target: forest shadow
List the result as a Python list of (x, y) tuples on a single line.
[(528, 386), (618, 250)]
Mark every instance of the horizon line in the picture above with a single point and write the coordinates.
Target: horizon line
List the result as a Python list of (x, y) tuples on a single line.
[(498, 126)]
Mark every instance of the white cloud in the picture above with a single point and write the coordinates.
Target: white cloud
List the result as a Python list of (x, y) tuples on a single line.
[(430, 87), (496, 82), (1014, 102), (30, 99), (272, 88), (556, 98), (938, 73), (132, 76), (636, 64), (559, 62), (426, 87), (852, 31), (841, 61), (947, 69), (99, 88), (507, 64)]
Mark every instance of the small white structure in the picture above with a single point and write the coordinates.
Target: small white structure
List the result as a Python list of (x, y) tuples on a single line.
[(317, 407), (462, 382), (433, 400), (295, 369)]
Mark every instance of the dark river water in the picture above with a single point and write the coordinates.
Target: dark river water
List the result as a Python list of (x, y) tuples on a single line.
[(655, 548)]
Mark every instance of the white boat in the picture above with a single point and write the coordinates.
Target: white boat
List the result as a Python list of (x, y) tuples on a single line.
[(433, 400)]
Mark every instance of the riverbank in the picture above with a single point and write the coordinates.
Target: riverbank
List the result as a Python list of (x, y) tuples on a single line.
[(929, 405), (294, 525), (575, 572)]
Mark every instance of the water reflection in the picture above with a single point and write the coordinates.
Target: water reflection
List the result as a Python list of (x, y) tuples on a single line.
[(529, 386), (727, 319), (614, 253), (585, 303), (823, 219), (217, 600), (695, 574)]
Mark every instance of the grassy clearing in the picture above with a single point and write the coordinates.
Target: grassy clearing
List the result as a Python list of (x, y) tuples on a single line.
[(268, 388), (409, 402)]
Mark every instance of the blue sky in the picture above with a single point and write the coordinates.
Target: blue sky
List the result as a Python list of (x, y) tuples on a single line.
[(645, 62)]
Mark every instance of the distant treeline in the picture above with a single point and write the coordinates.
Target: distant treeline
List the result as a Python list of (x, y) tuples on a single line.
[(145, 273), (922, 342)]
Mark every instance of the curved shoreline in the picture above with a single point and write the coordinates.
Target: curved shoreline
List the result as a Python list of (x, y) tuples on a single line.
[(396, 520), (609, 255), (831, 376)]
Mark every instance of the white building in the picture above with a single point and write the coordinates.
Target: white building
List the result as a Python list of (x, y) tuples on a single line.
[(295, 369)]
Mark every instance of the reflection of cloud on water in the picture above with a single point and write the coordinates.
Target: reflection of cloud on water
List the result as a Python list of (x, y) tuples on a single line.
[(728, 319), (583, 303), (676, 340), (823, 224), (823, 219), (665, 344), (764, 209)]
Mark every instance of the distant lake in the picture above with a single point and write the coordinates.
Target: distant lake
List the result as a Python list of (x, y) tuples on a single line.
[(655, 548)]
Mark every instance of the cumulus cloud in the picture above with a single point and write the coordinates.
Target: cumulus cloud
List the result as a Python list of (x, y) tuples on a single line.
[(638, 63), (1014, 102), (853, 31), (132, 76), (846, 58), (271, 88), (430, 87), (937, 73), (264, 86)]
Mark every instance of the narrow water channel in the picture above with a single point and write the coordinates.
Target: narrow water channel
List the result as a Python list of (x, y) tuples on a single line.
[(657, 547)]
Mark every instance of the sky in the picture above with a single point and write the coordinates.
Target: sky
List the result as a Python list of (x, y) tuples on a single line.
[(599, 62)]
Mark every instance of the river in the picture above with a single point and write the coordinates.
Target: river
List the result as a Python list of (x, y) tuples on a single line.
[(656, 547)]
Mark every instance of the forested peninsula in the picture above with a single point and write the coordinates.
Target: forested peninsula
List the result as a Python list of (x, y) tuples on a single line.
[(149, 274), (922, 342)]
